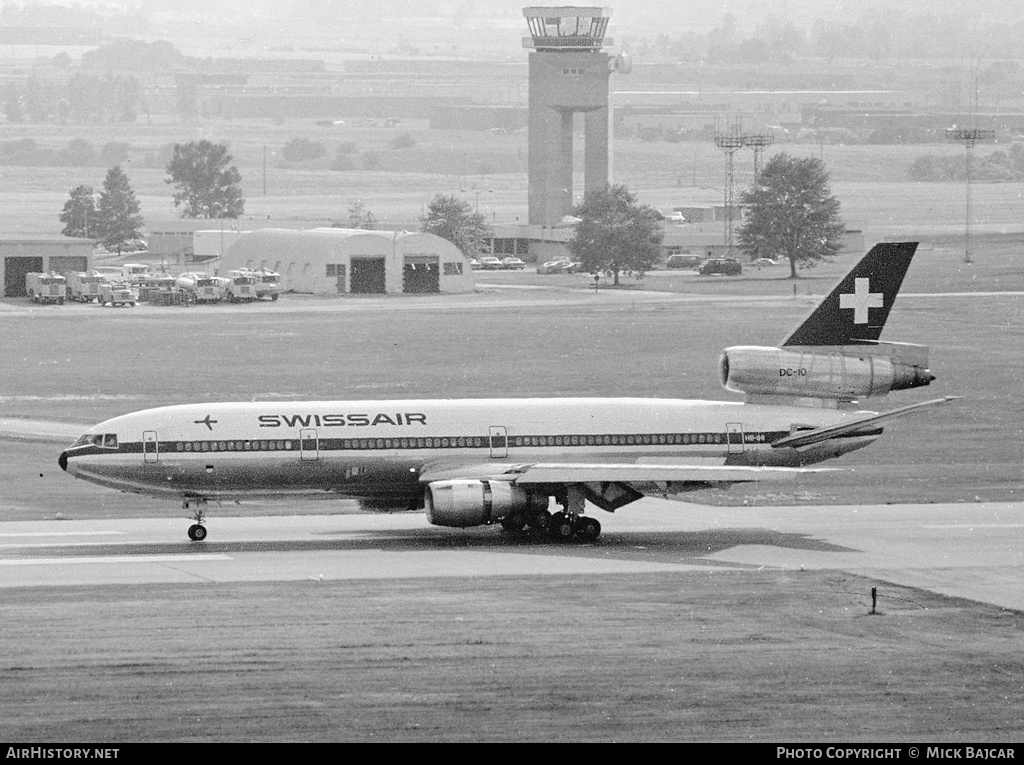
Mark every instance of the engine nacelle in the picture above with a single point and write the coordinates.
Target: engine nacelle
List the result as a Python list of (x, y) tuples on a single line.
[(827, 372), (475, 503)]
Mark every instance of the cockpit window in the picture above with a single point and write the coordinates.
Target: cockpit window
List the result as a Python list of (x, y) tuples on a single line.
[(105, 440)]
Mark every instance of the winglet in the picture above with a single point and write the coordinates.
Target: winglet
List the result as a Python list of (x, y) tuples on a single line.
[(856, 310)]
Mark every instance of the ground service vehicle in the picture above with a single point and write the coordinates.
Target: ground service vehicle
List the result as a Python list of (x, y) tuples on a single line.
[(240, 286), (82, 286), (202, 288), (135, 273), (267, 282), (46, 288), (118, 293)]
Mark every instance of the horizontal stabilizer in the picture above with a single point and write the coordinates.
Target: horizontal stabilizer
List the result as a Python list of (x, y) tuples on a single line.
[(817, 435)]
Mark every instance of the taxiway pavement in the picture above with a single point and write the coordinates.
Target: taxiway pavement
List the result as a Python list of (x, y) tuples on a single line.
[(974, 551)]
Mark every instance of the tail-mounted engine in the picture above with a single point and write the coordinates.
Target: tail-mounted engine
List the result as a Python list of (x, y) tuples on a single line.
[(840, 373), (475, 503)]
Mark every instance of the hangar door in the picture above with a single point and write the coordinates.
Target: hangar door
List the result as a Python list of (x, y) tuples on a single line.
[(368, 275), (64, 263), (15, 269), (421, 273)]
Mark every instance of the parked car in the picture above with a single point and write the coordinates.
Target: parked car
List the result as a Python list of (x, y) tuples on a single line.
[(490, 263), (676, 217), (765, 262), (683, 261), (554, 267), (474, 264), (512, 264), (721, 267)]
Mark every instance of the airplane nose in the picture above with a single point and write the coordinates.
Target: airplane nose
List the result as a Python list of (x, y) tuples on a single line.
[(63, 461)]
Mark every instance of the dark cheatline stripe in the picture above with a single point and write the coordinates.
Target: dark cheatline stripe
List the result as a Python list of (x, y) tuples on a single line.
[(445, 442)]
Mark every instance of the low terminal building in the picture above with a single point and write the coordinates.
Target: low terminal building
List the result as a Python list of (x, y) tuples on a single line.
[(342, 261), (22, 255)]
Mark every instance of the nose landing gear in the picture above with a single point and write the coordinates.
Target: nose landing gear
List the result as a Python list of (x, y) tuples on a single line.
[(197, 531)]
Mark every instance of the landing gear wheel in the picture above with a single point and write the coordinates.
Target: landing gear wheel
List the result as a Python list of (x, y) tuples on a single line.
[(196, 532), (562, 527), (588, 529)]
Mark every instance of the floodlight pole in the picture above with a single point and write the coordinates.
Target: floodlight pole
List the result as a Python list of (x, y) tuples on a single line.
[(968, 137), (759, 142), (729, 143)]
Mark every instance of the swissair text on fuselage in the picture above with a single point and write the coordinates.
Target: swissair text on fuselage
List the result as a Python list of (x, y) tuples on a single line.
[(338, 420)]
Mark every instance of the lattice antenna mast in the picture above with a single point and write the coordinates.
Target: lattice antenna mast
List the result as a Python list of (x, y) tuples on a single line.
[(968, 137), (729, 143), (759, 142)]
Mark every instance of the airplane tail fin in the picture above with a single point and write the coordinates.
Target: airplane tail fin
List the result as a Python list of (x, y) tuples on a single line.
[(856, 310), (834, 357)]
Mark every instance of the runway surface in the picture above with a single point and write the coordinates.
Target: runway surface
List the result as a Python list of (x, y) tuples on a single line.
[(974, 551)]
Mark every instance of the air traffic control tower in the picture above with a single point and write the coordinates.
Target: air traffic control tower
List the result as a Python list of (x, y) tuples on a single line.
[(568, 74)]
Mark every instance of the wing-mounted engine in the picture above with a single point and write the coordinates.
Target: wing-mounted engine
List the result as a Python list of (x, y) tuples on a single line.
[(825, 373), (476, 503)]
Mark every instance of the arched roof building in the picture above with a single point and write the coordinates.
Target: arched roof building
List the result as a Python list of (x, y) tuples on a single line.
[(339, 260)]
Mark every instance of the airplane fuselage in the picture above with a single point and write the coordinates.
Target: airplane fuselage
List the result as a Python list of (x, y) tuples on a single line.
[(378, 451)]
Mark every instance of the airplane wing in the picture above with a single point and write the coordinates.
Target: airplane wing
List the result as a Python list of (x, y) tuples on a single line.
[(642, 473), (613, 485), (628, 472), (817, 435)]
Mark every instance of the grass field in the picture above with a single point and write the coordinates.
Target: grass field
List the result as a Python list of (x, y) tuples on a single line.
[(713, 656)]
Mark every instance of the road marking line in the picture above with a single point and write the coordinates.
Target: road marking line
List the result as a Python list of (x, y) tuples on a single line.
[(116, 559), (61, 533), (978, 526)]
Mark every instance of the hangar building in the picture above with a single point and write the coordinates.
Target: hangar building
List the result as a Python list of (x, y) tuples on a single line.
[(20, 255), (340, 260)]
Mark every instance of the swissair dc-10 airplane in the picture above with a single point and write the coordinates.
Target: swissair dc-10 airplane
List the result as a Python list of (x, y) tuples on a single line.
[(484, 461)]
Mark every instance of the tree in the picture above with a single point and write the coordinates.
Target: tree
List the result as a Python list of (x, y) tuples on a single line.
[(791, 213), (118, 211), (79, 213), (453, 219), (615, 233), (360, 217), (303, 149), (208, 184), (78, 153)]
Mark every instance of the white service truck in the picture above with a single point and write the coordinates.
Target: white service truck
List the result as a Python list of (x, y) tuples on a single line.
[(201, 287), (46, 288), (84, 286)]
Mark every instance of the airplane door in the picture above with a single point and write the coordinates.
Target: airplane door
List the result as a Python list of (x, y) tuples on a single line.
[(150, 446), (309, 445), (734, 437), (498, 441)]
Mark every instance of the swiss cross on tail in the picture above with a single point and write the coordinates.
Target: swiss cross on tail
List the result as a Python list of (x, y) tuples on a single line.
[(856, 310), (861, 299)]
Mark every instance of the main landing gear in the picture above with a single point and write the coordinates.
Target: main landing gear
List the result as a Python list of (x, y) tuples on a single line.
[(197, 531), (563, 526)]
